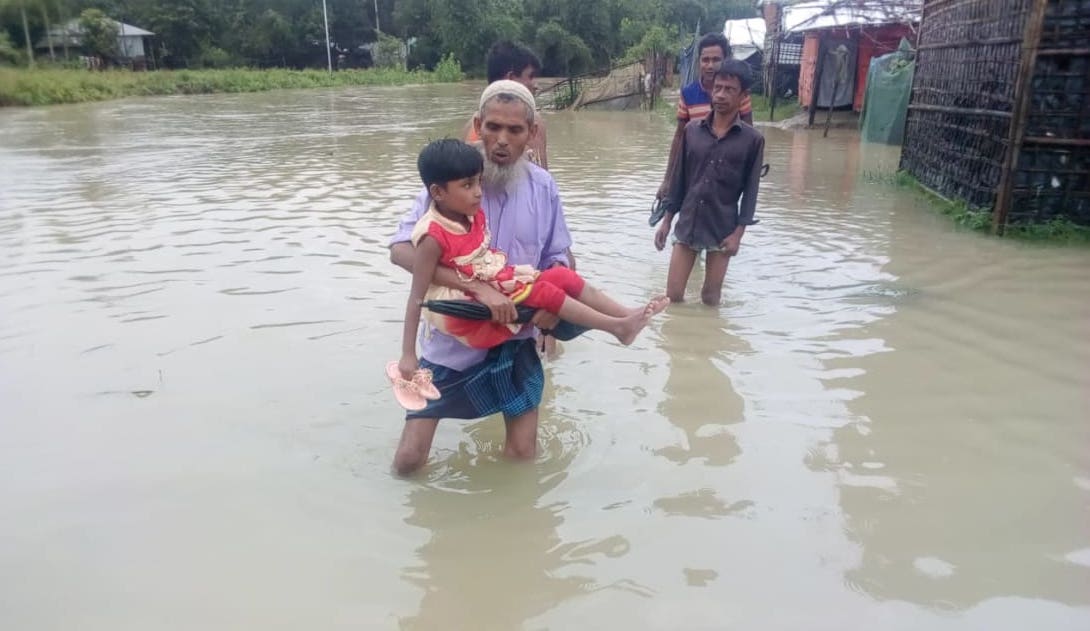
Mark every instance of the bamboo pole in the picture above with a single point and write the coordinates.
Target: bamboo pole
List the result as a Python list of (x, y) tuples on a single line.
[(64, 29), (1056, 142), (26, 36), (963, 44), (772, 79), (1064, 52), (328, 52), (832, 102), (1032, 38), (819, 70), (48, 30), (950, 109)]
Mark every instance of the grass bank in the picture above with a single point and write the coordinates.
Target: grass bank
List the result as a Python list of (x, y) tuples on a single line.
[(785, 108), (23, 87), (1057, 230)]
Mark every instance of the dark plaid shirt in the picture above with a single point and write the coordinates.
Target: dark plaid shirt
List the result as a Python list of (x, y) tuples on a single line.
[(712, 176)]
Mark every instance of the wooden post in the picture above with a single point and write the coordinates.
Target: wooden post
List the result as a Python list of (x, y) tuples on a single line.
[(654, 73), (64, 30), (1005, 192), (818, 72), (772, 79), (328, 52), (832, 101), (48, 30), (26, 35)]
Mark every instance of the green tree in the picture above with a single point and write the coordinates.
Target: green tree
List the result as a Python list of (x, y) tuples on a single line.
[(269, 40), (569, 35), (18, 19), (562, 53), (99, 33), (183, 29), (9, 54)]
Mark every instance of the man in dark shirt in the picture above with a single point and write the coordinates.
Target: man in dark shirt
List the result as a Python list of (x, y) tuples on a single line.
[(719, 165)]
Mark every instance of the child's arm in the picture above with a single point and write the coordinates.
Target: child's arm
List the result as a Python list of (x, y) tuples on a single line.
[(425, 263), (404, 255)]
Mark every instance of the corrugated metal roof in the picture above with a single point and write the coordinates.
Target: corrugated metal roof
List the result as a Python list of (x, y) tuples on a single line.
[(821, 14), (73, 29), (746, 37)]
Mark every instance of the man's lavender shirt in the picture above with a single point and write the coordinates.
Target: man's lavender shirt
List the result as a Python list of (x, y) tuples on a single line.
[(526, 222)]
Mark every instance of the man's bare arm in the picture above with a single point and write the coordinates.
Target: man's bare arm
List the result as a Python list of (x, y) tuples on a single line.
[(543, 142)]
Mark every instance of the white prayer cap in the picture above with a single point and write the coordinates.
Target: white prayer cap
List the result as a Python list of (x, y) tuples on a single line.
[(506, 86)]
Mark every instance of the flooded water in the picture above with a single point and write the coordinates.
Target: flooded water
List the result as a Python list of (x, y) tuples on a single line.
[(884, 426)]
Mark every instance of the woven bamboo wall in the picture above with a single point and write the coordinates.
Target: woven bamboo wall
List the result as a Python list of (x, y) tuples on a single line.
[(963, 95), (1052, 173), (971, 135)]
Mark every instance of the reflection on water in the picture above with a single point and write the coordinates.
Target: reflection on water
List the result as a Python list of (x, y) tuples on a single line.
[(882, 427), (492, 539), (998, 505), (699, 398)]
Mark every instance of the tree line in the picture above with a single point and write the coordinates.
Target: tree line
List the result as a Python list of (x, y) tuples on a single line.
[(570, 36)]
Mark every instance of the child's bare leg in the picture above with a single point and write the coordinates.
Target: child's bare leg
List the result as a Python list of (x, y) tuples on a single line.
[(624, 328), (574, 286), (597, 299)]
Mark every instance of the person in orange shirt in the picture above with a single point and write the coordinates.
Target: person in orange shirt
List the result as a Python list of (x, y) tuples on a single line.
[(515, 62), (695, 101)]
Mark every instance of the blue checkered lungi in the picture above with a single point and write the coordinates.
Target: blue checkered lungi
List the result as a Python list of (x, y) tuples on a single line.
[(510, 380)]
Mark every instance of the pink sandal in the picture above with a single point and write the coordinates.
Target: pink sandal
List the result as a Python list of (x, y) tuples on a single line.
[(407, 393), (422, 380)]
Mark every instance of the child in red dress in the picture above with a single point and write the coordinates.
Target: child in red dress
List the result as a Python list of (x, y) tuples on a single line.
[(453, 233)]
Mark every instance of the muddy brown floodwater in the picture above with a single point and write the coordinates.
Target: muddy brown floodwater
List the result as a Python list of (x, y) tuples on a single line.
[(883, 427)]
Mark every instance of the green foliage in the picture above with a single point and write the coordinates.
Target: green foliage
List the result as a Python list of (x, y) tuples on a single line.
[(99, 33), (565, 97), (215, 57), (570, 36), (390, 52), (9, 53), (448, 70), (655, 38), (562, 53), (762, 107), (965, 215), (1056, 230)]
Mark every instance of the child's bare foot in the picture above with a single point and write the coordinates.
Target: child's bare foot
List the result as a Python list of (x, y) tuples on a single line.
[(656, 306), (630, 326)]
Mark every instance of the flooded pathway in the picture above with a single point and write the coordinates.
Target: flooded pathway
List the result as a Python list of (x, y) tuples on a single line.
[(883, 427)]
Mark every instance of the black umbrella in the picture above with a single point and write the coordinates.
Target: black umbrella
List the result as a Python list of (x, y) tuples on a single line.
[(473, 310), (659, 207)]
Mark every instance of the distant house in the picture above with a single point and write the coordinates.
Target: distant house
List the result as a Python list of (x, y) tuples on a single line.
[(132, 44), (839, 38), (747, 42)]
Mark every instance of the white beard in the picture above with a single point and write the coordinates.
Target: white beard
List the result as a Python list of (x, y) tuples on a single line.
[(502, 178)]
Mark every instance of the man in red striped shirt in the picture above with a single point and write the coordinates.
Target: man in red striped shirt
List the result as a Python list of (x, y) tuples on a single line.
[(695, 101)]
